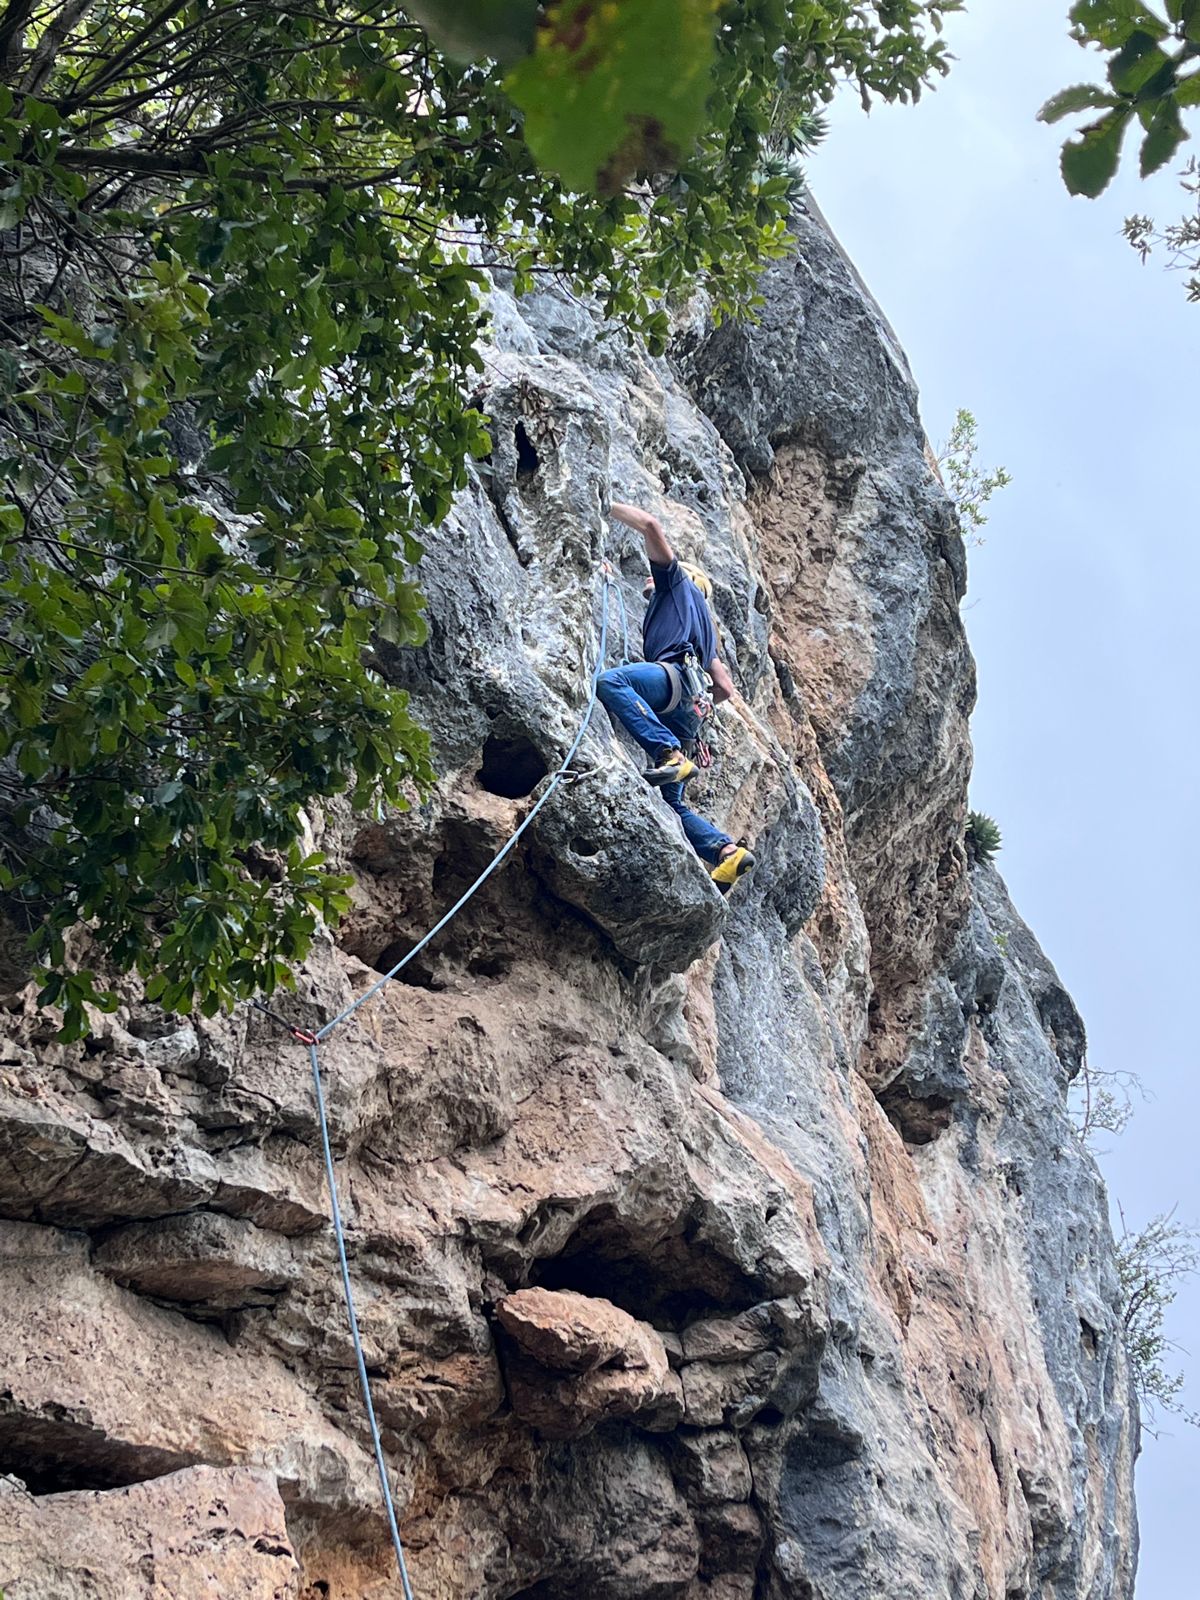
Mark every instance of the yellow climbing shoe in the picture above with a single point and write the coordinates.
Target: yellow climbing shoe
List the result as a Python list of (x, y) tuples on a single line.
[(732, 867), (675, 768)]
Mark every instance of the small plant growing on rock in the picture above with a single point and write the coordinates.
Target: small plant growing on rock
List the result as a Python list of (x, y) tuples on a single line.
[(968, 485), (794, 133), (1151, 1263), (1102, 1101), (983, 836)]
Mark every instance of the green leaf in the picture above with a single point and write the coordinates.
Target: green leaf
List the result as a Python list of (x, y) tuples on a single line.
[(1110, 22), (1137, 61), (1080, 97), (1166, 133), (1089, 163), (470, 30), (1187, 93), (599, 100)]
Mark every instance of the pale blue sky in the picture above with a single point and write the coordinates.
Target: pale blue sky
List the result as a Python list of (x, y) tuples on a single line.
[(1026, 306)]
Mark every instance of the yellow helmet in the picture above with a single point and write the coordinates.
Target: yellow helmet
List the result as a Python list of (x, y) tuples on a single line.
[(699, 577)]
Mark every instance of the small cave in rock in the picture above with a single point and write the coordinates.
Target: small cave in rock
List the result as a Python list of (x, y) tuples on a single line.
[(490, 964), (823, 1451), (787, 683), (551, 1589), (512, 766), (55, 1457), (527, 457), (415, 973), (769, 1417), (667, 1282), (917, 1120)]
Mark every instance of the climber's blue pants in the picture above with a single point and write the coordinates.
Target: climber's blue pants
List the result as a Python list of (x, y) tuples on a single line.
[(637, 696)]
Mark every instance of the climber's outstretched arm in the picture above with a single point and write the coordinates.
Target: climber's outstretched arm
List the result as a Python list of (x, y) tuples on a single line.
[(721, 681), (651, 529)]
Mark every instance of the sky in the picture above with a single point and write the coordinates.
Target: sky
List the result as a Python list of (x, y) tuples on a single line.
[(1026, 306)]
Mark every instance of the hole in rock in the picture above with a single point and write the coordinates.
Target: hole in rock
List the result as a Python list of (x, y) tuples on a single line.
[(495, 964), (512, 767), (1090, 1337), (822, 1452), (416, 973), (916, 1121), (666, 1282), (468, 847), (994, 1453), (53, 1456), (581, 1583), (527, 456), (787, 683), (584, 847)]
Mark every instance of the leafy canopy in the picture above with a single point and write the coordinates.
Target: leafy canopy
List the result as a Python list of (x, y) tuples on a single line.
[(1153, 78), (242, 260), (607, 89)]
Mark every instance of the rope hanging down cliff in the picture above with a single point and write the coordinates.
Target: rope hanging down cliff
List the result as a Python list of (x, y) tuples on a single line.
[(314, 1040)]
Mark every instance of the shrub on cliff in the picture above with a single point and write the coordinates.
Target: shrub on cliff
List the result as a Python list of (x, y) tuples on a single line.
[(967, 484), (240, 287), (983, 836), (1152, 1263)]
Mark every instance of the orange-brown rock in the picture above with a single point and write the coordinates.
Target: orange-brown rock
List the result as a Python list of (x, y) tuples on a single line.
[(577, 1361), (195, 1535)]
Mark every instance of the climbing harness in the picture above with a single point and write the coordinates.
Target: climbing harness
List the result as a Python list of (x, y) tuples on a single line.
[(314, 1040)]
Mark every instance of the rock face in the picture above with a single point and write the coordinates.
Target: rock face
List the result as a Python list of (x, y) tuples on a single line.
[(704, 1249)]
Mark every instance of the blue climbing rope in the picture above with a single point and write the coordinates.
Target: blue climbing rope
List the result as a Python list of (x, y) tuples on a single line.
[(338, 1233), (314, 1040), (616, 589)]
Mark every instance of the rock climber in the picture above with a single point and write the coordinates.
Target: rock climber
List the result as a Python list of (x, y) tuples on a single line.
[(650, 698)]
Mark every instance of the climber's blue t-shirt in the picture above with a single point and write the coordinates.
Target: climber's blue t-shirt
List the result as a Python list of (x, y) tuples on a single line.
[(677, 620)]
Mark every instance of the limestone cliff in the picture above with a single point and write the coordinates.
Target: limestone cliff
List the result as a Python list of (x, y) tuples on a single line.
[(704, 1249)]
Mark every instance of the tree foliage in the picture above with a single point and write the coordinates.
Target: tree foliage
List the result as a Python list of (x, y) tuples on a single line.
[(1179, 241), (607, 90), (1102, 1101), (242, 263), (1153, 78), (969, 486), (1152, 1263)]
